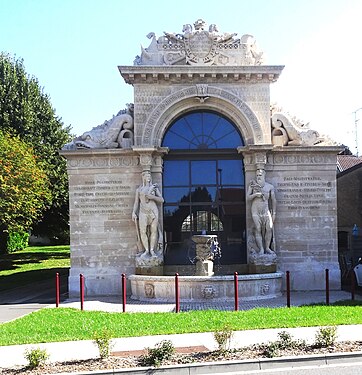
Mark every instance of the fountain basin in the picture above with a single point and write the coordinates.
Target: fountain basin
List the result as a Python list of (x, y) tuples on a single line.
[(205, 288)]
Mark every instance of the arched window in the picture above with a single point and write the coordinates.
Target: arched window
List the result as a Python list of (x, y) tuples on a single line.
[(203, 186), (202, 131)]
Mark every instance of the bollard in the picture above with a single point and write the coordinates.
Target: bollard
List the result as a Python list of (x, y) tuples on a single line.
[(124, 291), (81, 284), (353, 284), (236, 291), (288, 288), (57, 290), (327, 286), (177, 294)]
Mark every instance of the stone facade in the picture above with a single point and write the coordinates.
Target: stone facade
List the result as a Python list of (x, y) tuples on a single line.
[(103, 180)]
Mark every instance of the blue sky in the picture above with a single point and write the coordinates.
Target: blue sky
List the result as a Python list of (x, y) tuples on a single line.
[(74, 47)]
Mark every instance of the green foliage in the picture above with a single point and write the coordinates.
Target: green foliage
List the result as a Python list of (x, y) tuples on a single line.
[(160, 353), (25, 267), (285, 341), (24, 187), (17, 241), (102, 339), (49, 324), (26, 111), (36, 357), (223, 338), (326, 336)]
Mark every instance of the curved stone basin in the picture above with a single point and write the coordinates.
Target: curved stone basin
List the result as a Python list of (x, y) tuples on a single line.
[(206, 288)]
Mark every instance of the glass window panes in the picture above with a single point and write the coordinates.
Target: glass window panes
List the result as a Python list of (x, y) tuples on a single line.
[(202, 130)]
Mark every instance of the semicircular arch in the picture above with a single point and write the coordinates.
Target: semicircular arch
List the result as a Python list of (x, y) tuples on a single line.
[(188, 99)]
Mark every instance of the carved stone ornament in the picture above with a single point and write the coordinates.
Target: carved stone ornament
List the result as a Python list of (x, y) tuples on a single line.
[(286, 132), (199, 45), (114, 133)]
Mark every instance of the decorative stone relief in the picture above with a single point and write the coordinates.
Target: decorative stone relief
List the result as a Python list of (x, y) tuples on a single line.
[(149, 290), (151, 134), (264, 289), (285, 132), (85, 163), (209, 292), (114, 133), (200, 45)]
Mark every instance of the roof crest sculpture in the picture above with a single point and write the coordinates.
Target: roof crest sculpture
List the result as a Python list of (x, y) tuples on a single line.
[(200, 45)]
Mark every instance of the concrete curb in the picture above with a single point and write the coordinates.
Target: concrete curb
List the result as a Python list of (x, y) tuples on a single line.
[(236, 367)]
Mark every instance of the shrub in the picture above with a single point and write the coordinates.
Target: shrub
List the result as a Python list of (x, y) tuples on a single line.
[(36, 357), (284, 342), (326, 336), (223, 338), (103, 340), (156, 356), (17, 241)]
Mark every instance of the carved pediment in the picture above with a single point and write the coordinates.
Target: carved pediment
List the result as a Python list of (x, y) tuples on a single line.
[(199, 45)]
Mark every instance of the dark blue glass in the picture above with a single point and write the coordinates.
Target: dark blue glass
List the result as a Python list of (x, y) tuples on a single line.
[(231, 172), (176, 173), (203, 172), (176, 194), (201, 131)]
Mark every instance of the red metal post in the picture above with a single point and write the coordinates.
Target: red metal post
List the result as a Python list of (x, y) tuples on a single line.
[(327, 286), (288, 288), (124, 291), (81, 282), (236, 291), (57, 290), (353, 284), (177, 294)]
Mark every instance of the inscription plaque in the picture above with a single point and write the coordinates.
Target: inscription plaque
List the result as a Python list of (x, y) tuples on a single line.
[(304, 192), (102, 197)]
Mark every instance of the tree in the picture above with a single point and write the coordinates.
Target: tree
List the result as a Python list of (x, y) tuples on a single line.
[(25, 110), (24, 187)]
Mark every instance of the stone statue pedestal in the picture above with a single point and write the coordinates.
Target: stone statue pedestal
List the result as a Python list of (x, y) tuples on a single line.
[(147, 261), (261, 268), (262, 263), (204, 268), (204, 255)]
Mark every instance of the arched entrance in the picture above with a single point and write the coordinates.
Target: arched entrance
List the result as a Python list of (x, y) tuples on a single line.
[(203, 186)]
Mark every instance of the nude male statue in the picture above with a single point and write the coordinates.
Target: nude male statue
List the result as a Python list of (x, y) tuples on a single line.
[(263, 209), (145, 214)]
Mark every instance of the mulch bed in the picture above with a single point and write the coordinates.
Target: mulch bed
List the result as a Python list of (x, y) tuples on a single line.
[(191, 354)]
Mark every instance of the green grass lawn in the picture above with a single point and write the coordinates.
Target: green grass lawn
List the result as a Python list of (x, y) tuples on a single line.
[(63, 324), (32, 264)]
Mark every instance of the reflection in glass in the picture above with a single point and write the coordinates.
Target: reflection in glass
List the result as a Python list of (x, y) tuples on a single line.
[(203, 172), (202, 221), (203, 187), (176, 173), (230, 172), (176, 194), (201, 131)]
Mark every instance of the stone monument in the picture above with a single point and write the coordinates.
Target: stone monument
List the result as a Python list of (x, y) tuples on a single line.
[(122, 190)]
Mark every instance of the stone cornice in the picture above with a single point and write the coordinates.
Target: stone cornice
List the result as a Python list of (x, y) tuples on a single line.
[(205, 74), (81, 152), (309, 149)]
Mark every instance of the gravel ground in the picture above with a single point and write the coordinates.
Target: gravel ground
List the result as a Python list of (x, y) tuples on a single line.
[(135, 359)]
